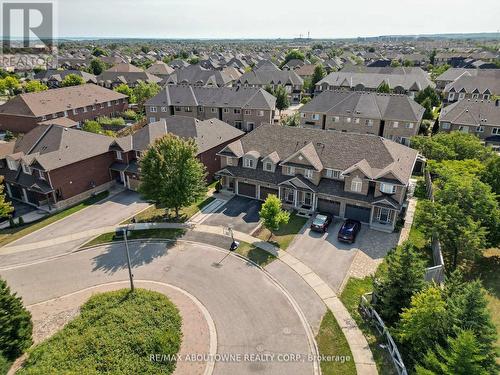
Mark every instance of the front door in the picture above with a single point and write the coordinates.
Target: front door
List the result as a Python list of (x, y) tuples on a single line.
[(308, 199), (384, 215)]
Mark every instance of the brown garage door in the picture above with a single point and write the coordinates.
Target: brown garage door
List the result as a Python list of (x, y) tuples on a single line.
[(329, 207), (265, 191), (248, 190)]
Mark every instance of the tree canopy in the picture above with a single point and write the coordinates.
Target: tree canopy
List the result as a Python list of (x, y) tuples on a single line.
[(35, 86), (145, 91), (72, 80), (282, 101), (294, 54), (272, 214), (171, 175)]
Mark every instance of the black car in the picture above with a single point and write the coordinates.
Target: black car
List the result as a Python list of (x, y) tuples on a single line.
[(321, 223), (349, 230)]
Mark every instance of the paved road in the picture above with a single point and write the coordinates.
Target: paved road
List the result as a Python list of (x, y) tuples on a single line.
[(112, 211), (251, 313)]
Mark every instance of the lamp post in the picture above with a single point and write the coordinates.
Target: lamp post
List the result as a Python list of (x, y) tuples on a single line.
[(131, 277), (233, 247)]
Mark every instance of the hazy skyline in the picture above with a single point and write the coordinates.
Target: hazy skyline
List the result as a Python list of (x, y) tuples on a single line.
[(272, 19)]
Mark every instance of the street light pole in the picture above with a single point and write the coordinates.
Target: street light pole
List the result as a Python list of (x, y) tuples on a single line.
[(131, 277)]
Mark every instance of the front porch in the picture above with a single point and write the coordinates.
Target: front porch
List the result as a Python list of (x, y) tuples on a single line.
[(304, 202)]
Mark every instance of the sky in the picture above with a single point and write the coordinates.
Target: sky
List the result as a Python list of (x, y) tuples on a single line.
[(273, 19)]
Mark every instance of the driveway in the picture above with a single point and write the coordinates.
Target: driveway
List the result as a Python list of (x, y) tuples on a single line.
[(252, 314), (109, 212), (241, 213), (331, 259)]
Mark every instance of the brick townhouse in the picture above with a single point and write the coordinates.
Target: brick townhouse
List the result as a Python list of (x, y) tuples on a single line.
[(210, 136), (392, 116), (78, 103), (243, 108), (54, 166), (355, 176)]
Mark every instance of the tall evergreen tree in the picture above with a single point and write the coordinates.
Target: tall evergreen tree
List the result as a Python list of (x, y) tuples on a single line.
[(402, 277), (462, 356), (15, 324)]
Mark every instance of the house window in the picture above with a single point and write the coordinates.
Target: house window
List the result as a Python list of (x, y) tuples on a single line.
[(445, 125), (356, 185), (302, 115), (248, 111), (290, 171), (336, 118), (41, 175), (249, 163), (261, 113), (480, 129), (315, 116), (395, 124), (268, 166), (65, 113), (26, 169), (356, 120), (388, 188), (308, 173), (187, 109), (201, 109), (109, 104), (213, 110), (409, 125), (102, 105), (495, 131), (75, 111), (290, 196), (237, 124), (12, 165), (177, 109), (226, 110), (137, 154), (93, 107), (84, 109), (461, 96), (384, 215), (44, 118), (250, 126), (463, 129), (486, 96), (229, 161), (237, 111), (118, 155), (164, 109), (348, 119), (152, 119), (475, 96), (333, 173), (451, 96)]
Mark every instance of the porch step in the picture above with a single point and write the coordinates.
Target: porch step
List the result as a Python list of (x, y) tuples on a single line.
[(306, 214)]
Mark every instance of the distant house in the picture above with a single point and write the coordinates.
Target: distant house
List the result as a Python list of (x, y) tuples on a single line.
[(473, 116), (195, 75), (127, 74), (53, 78), (209, 135), (79, 103), (54, 167), (269, 75), (160, 69), (475, 84), (401, 80), (243, 108), (351, 176), (395, 117)]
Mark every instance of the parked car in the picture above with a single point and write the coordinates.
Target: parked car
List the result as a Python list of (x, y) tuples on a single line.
[(321, 223), (349, 231)]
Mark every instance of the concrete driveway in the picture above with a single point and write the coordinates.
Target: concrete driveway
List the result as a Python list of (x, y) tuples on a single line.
[(252, 314), (240, 212), (332, 259)]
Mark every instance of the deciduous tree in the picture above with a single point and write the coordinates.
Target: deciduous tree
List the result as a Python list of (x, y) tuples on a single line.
[(272, 214), (72, 80)]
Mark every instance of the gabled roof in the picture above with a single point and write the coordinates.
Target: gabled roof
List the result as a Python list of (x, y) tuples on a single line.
[(308, 152), (473, 112)]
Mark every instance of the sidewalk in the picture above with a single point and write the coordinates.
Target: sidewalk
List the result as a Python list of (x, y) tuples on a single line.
[(361, 352)]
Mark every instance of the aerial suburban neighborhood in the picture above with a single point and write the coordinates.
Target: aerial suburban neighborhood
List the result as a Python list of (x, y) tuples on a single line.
[(198, 188)]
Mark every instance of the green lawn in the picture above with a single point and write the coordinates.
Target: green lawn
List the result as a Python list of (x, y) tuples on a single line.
[(350, 297), (284, 236), (156, 214), (487, 269), (115, 333), (162, 233), (332, 342), (421, 242), (259, 256), (11, 234)]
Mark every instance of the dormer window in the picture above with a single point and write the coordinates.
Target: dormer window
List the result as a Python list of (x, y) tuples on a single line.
[(356, 185), (26, 168), (333, 173), (388, 188), (308, 173), (41, 176), (153, 109), (137, 154), (118, 155), (12, 165), (249, 163), (290, 171), (268, 166)]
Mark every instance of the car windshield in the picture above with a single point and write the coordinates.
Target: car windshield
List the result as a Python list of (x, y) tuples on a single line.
[(319, 220), (347, 227)]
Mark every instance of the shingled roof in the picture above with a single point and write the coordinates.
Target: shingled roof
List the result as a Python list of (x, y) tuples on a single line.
[(366, 105), (375, 156), (473, 112)]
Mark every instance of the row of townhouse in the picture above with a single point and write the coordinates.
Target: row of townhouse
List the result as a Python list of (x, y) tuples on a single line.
[(474, 116), (54, 167), (401, 80), (243, 108), (76, 103), (484, 84), (392, 116), (356, 176)]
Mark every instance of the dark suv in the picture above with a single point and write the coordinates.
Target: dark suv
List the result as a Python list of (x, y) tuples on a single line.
[(349, 230)]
